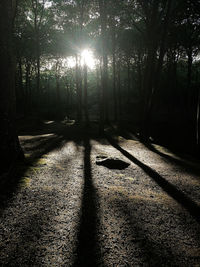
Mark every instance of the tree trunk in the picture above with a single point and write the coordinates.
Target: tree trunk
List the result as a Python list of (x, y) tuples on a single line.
[(128, 80), (198, 123), (119, 89), (103, 20), (189, 78), (100, 93), (27, 86), (162, 48), (114, 71), (86, 96), (38, 69), (9, 143), (58, 102), (151, 32), (78, 90)]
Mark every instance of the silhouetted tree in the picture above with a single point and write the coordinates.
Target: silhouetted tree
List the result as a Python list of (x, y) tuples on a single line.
[(9, 143)]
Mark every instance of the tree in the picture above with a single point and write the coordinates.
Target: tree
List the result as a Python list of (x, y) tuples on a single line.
[(9, 143), (104, 85)]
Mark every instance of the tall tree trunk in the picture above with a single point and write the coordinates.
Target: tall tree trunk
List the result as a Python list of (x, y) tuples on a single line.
[(103, 20), (58, 102), (189, 77), (101, 98), (119, 89), (38, 67), (9, 143), (149, 70), (20, 87), (128, 80), (162, 48), (86, 95), (27, 86), (114, 71), (38, 15), (198, 123), (78, 90)]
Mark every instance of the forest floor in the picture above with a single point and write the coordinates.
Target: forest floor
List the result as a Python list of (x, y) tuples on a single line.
[(65, 210)]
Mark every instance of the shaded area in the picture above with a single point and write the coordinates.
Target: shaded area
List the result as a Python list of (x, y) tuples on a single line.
[(87, 236), (169, 188)]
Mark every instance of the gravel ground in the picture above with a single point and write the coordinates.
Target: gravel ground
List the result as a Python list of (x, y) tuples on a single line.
[(64, 210)]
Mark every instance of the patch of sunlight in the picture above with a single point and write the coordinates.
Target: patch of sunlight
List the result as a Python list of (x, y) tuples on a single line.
[(125, 177), (102, 155), (25, 182), (45, 155), (41, 162), (47, 188), (132, 141), (31, 171), (67, 121), (59, 167), (146, 195), (27, 156), (48, 122), (46, 135), (117, 189), (120, 138), (120, 174), (130, 178), (28, 137)]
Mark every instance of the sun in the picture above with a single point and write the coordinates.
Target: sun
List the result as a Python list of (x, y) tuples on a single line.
[(87, 58)]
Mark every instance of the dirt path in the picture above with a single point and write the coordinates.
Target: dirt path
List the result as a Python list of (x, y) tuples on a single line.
[(67, 211)]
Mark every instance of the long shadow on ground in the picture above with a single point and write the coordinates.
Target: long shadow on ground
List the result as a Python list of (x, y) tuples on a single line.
[(189, 162), (9, 185), (87, 235), (187, 166), (40, 144), (169, 188)]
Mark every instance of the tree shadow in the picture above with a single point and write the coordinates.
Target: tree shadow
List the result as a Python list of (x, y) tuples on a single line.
[(147, 235), (9, 184), (23, 248), (86, 253), (186, 165), (169, 188)]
